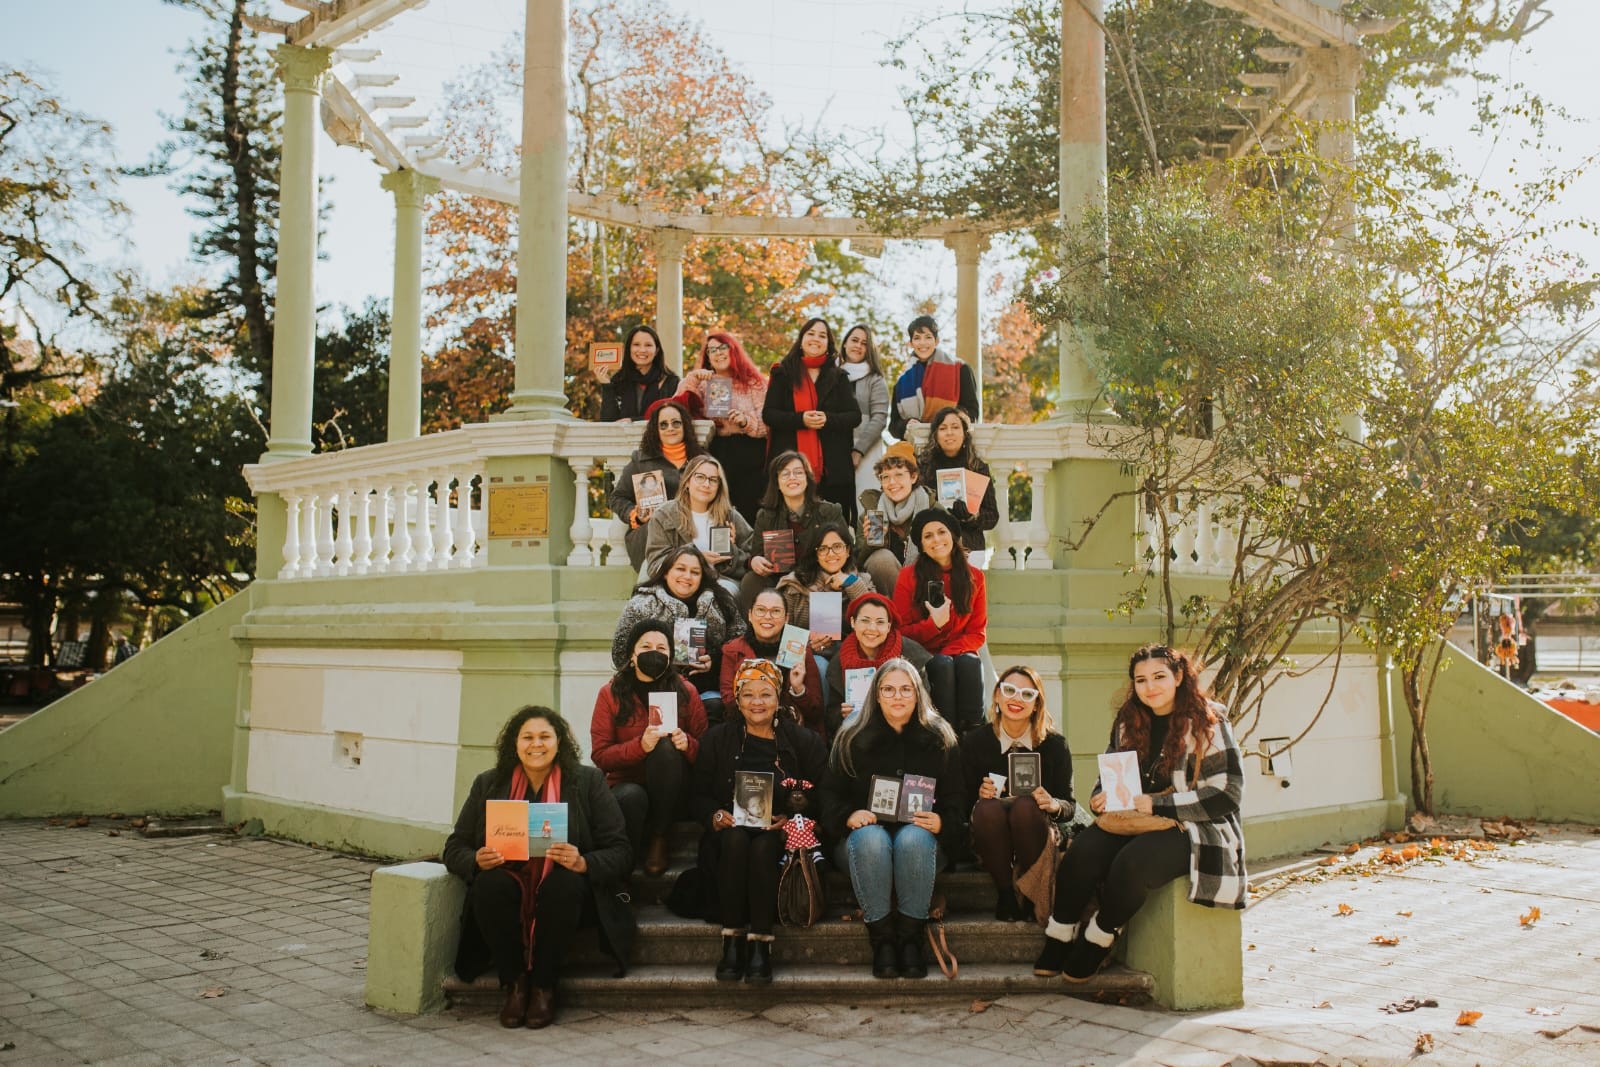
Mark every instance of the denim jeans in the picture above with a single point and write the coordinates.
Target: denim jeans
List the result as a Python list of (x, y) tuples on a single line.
[(899, 860)]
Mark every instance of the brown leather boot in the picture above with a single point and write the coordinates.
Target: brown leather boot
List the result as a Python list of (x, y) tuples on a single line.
[(541, 1008), (515, 1008), (655, 856)]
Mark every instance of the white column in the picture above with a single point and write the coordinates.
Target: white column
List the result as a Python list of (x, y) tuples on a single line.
[(669, 246), (581, 555), (541, 340), (294, 331), (1082, 175), (410, 189), (1336, 72), (969, 248)]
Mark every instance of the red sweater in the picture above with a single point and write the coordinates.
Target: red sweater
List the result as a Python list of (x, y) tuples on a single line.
[(618, 751), (963, 633), (807, 708)]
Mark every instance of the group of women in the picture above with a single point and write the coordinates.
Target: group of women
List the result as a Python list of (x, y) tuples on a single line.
[(804, 451)]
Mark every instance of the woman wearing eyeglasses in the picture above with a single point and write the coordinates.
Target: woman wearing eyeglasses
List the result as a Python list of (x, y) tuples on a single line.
[(825, 566), (790, 503), (667, 444), (1010, 828), (800, 695), (691, 517), (729, 389)]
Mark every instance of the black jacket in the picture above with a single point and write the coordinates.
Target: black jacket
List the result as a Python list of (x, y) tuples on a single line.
[(832, 718), (879, 750), (972, 526), (981, 756), (594, 824), (621, 399), (836, 395), (800, 752)]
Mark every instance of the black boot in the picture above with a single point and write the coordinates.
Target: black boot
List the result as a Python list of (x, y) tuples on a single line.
[(909, 934), (760, 969), (1006, 907), (885, 964), (735, 958)]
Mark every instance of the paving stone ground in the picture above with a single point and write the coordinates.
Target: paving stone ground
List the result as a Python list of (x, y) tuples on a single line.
[(224, 950)]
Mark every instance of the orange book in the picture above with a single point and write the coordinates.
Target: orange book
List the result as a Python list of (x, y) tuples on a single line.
[(505, 828)]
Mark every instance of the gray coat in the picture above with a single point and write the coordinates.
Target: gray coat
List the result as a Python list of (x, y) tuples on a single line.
[(872, 397)]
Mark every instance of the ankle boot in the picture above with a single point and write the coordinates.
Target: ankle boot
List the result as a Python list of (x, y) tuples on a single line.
[(909, 934), (515, 1008), (885, 962), (735, 958), (1090, 952), (656, 856), (760, 970), (1058, 939)]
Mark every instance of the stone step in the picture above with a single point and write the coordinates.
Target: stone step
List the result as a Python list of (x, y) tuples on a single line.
[(664, 938), (679, 986), (964, 890)]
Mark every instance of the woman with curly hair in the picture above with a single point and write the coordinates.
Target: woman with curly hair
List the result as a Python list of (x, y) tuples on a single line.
[(1191, 774), (739, 435)]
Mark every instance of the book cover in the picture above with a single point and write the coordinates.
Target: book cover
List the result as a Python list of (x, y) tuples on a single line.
[(664, 711), (1119, 779), (1023, 770), (719, 397), (874, 528), (857, 683), (952, 486), (649, 490), (916, 795), (721, 540), (884, 800), (688, 641), (977, 486), (778, 547), (752, 799), (547, 825), (605, 355), (792, 646), (505, 828), (827, 614)]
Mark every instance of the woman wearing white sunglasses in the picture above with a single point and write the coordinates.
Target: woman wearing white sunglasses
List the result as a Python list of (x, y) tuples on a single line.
[(1011, 825)]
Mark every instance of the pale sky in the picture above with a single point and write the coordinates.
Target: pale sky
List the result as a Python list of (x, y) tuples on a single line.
[(816, 59)]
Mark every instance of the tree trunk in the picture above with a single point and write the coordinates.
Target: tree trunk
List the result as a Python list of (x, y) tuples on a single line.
[(257, 323), (1421, 758)]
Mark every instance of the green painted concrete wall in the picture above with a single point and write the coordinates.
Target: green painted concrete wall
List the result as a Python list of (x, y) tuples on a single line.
[(152, 735), (1498, 751)]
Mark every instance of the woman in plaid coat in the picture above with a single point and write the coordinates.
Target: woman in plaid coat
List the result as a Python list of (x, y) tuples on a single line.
[(1191, 773)]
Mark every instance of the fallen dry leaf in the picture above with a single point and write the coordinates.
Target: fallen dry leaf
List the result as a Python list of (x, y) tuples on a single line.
[(1530, 918), (1409, 1004), (140, 823), (1467, 1018), (1424, 1043), (1324, 1004), (1327, 861), (1403, 914), (1345, 909), (1544, 1011), (978, 1007), (82, 820), (1352, 848), (1582, 1028), (213, 993), (113, 833), (1382, 939)]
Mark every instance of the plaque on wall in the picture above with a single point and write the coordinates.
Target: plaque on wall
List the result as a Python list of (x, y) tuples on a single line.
[(519, 511)]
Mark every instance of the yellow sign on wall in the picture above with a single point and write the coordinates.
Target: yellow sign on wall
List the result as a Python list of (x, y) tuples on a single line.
[(519, 511)]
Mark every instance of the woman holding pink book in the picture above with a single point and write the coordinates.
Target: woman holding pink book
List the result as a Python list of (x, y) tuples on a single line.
[(950, 449)]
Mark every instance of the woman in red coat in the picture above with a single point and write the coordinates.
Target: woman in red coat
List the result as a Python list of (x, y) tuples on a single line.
[(944, 608)]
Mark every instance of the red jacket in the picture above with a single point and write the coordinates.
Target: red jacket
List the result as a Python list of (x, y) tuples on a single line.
[(807, 708), (963, 633), (618, 751)]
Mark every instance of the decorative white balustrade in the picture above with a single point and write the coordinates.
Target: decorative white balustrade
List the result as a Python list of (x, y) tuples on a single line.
[(1204, 540)]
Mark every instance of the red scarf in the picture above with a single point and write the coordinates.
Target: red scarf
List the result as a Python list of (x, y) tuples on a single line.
[(851, 657), (533, 871), (807, 442)]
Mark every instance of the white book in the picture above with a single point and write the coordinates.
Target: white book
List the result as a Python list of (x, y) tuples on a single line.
[(1119, 779), (664, 711), (857, 683)]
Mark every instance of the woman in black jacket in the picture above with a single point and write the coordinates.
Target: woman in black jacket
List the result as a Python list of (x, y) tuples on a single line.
[(537, 759), (642, 379), (950, 447), (811, 408), (665, 448), (865, 796), (1011, 821), (743, 857)]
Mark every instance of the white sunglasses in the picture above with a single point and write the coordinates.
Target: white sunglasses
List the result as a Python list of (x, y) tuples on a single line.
[(1013, 692)]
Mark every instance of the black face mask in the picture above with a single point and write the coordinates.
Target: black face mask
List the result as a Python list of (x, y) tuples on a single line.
[(651, 664)]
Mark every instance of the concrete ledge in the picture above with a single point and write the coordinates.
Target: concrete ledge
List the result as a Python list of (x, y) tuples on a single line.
[(346, 831), (1194, 954), (413, 925), (1268, 836)]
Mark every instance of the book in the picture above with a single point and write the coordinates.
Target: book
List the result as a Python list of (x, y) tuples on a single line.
[(547, 825), (792, 646), (916, 795), (884, 799), (857, 684), (900, 799), (688, 640), (1119, 779), (605, 355), (952, 486), (977, 486), (778, 547), (874, 528), (752, 799), (505, 828), (721, 539), (664, 711), (1023, 771), (719, 397), (827, 614), (998, 780), (649, 490)]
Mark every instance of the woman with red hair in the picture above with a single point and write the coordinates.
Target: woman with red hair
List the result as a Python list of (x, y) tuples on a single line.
[(728, 389), (873, 640)]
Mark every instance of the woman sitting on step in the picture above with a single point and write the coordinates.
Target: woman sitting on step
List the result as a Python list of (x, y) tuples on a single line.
[(1191, 775), (746, 840), (944, 607), (520, 915), (892, 793), (647, 765), (1011, 821), (873, 639), (800, 695)]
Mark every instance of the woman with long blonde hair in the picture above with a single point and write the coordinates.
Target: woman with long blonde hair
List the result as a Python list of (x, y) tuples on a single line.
[(701, 506)]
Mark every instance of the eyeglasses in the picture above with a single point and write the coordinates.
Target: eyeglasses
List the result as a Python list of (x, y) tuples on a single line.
[(897, 691), (767, 613), (1018, 692), (714, 348), (670, 424), (706, 479), (793, 473), (832, 550)]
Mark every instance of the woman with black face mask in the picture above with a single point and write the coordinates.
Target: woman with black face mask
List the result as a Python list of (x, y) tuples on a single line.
[(646, 764)]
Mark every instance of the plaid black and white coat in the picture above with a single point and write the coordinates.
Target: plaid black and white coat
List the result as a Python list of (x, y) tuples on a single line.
[(1208, 811)]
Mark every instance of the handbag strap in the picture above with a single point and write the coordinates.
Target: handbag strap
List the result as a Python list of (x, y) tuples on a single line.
[(946, 959)]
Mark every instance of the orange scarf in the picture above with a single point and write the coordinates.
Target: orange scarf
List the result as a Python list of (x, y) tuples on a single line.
[(807, 442), (677, 454)]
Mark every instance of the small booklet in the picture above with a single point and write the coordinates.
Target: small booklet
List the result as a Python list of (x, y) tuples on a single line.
[(827, 614), (778, 547), (1023, 769), (900, 799), (952, 486), (719, 397), (977, 486), (857, 684), (752, 799), (505, 828), (874, 528), (605, 355), (649, 490), (792, 646), (721, 539), (1119, 779), (664, 711), (547, 825), (688, 640)]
